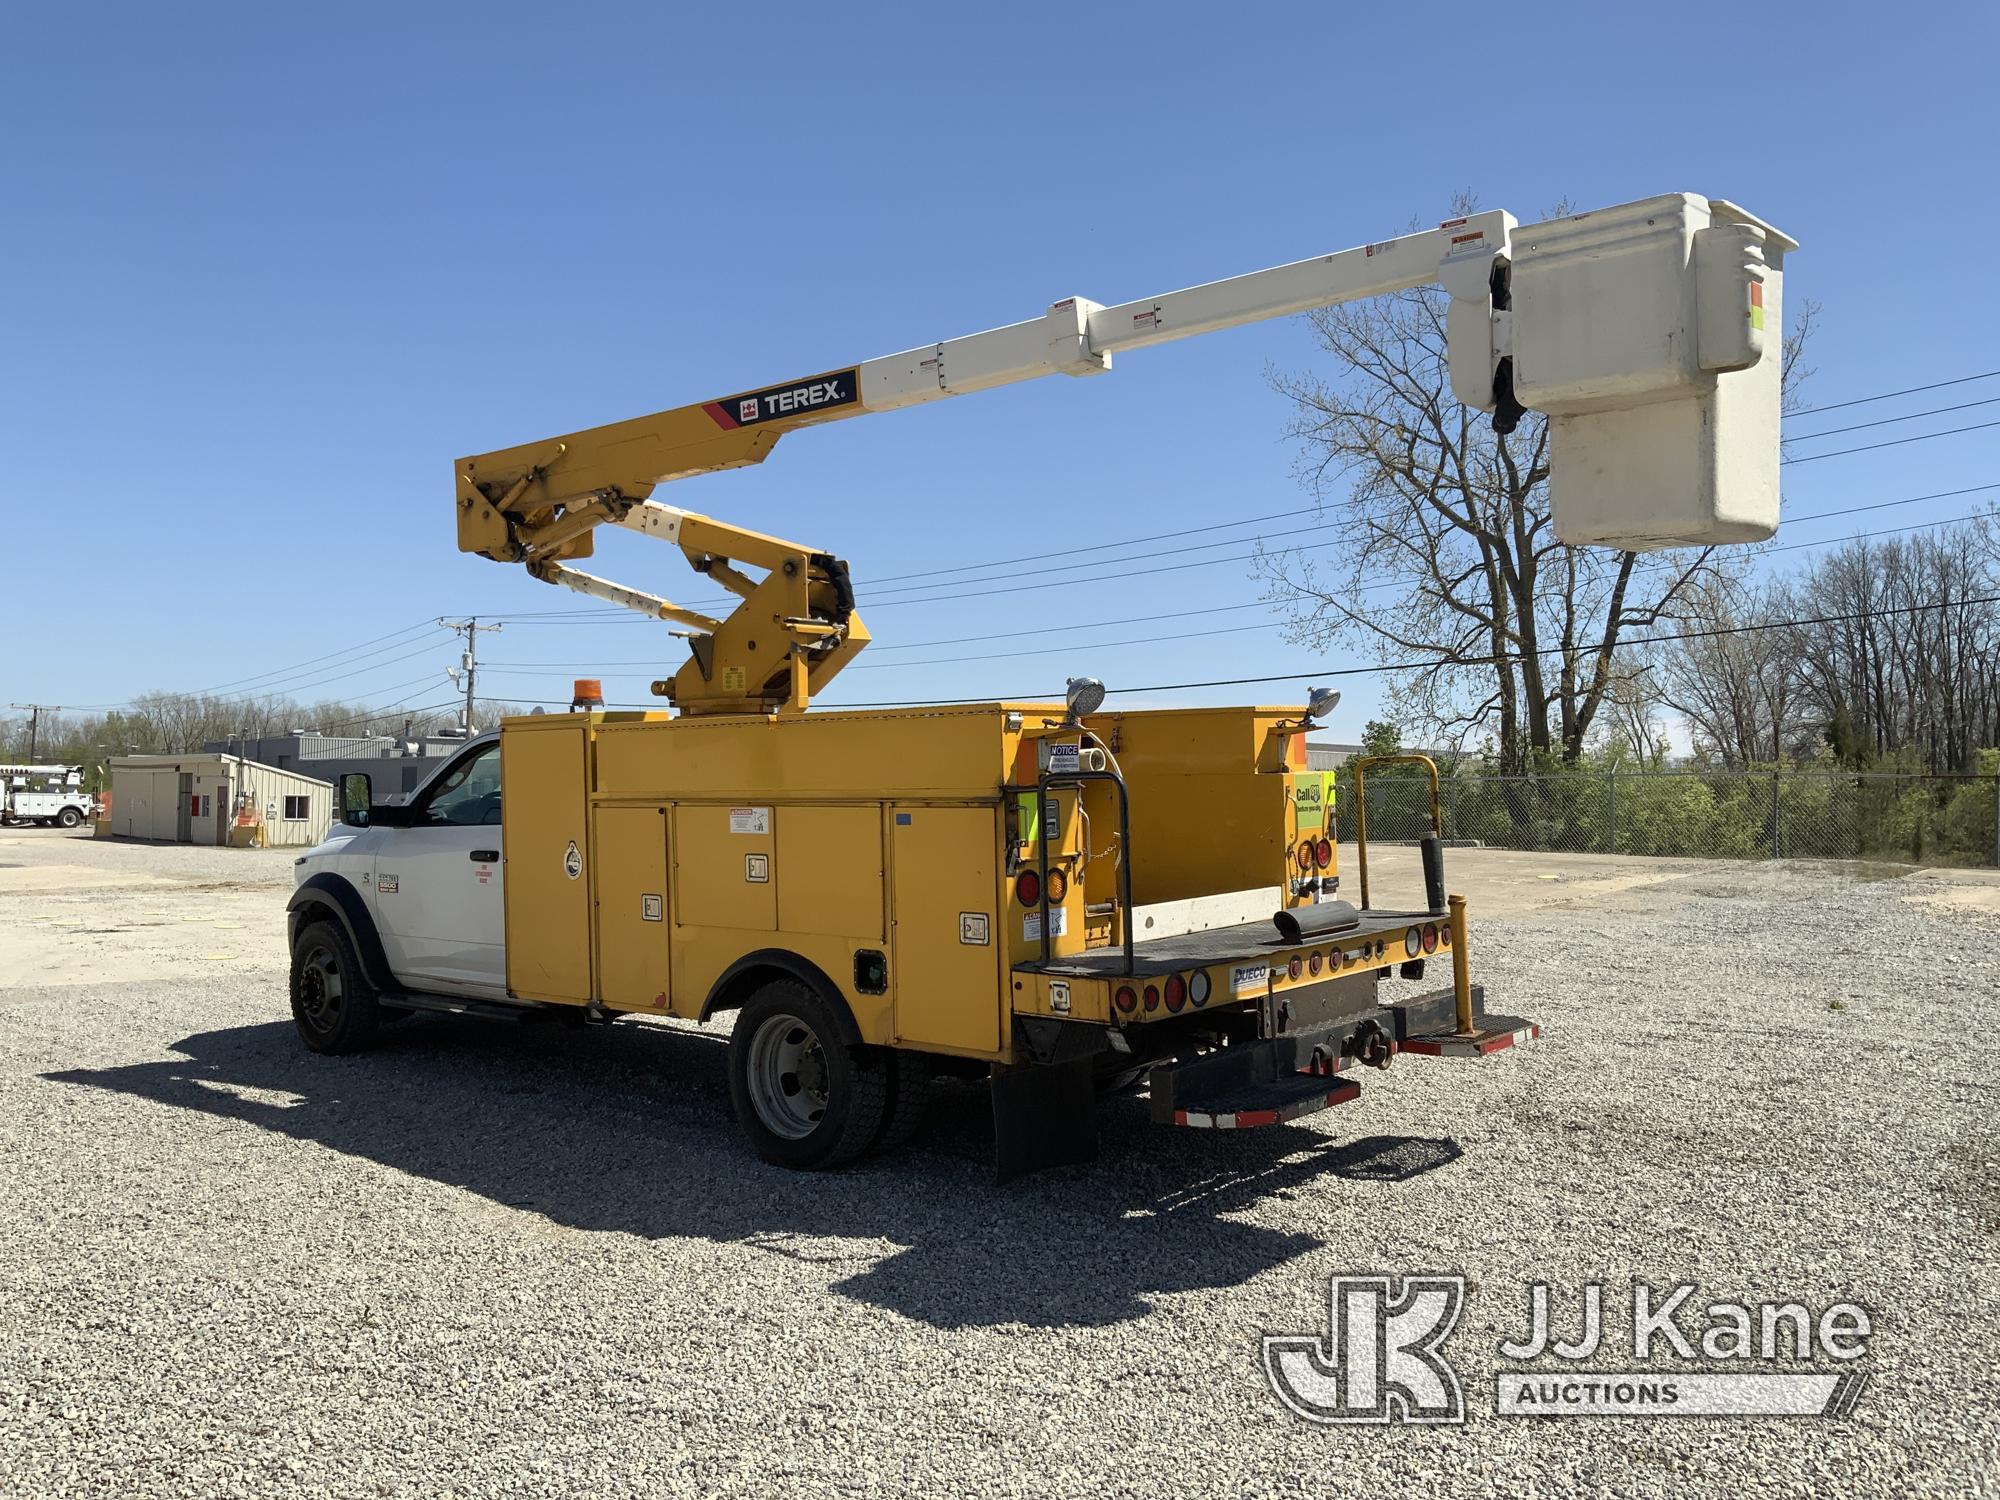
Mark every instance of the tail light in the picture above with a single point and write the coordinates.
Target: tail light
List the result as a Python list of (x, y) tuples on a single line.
[(1305, 855), (1444, 936), (1295, 967), (1176, 991), (1152, 997), (1316, 962), (1058, 886), (1028, 888), (1430, 937), (1198, 988), (1323, 854), (1125, 999), (1413, 940)]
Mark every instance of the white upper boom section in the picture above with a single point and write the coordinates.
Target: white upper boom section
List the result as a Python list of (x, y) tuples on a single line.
[(1650, 333), (1079, 337)]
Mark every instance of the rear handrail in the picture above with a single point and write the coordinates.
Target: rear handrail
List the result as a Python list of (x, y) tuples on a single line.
[(1046, 779), (1361, 765)]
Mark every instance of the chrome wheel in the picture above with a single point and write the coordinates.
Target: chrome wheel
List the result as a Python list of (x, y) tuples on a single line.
[(321, 990), (787, 1077)]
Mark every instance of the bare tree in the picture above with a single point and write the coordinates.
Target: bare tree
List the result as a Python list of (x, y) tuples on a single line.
[(1449, 564), (1732, 676)]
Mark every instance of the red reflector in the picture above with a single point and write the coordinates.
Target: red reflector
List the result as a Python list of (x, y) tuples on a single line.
[(1028, 888), (1444, 936), (1058, 887), (1323, 854), (1152, 997), (1176, 992), (1295, 967), (1125, 1000), (1430, 937)]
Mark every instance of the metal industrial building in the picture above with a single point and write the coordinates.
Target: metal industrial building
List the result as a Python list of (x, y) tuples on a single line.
[(204, 798), (395, 764)]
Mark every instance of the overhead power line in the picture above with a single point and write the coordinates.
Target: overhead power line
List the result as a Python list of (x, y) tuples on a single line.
[(1322, 672), (877, 648), (1935, 411), (1922, 437), (955, 590), (1936, 385), (1073, 648)]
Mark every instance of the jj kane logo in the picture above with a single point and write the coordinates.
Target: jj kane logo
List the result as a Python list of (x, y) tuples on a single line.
[(1382, 1358), (794, 399), (1380, 1361)]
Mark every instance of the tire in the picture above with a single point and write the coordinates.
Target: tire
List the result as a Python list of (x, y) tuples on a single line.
[(69, 817), (804, 1098), (333, 1004), (909, 1098)]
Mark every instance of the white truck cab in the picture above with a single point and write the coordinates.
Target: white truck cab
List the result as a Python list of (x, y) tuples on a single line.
[(404, 897)]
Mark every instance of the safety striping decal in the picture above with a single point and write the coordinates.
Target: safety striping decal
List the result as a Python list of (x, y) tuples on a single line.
[(1251, 1119), (1476, 1046)]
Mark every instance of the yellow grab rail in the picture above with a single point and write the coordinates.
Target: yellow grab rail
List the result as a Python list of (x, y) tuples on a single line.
[(1361, 765)]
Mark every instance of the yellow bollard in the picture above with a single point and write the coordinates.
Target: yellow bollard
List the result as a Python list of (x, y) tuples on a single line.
[(1461, 967)]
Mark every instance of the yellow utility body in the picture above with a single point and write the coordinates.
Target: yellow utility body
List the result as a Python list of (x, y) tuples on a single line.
[(904, 866)]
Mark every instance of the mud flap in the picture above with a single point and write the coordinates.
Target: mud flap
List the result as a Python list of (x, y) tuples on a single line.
[(1044, 1115)]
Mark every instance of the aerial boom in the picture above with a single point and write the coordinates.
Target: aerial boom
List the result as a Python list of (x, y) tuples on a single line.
[(1659, 423)]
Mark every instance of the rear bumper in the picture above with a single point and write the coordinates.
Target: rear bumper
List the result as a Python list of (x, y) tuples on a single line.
[(1286, 1077)]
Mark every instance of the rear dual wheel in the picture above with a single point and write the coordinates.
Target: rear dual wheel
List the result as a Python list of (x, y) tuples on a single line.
[(806, 1098)]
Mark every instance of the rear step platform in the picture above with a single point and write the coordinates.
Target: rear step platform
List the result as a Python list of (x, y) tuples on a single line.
[(1249, 1105), (1490, 1034)]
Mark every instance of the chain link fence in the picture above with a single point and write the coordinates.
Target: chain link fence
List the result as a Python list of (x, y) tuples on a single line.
[(1950, 820)]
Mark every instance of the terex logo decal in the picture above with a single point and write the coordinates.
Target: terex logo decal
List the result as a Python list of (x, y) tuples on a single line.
[(819, 393)]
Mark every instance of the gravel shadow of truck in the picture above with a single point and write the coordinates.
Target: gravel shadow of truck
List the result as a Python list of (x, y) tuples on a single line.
[(634, 1135)]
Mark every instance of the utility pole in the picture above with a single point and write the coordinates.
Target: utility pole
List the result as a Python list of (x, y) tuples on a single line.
[(468, 662), (35, 712)]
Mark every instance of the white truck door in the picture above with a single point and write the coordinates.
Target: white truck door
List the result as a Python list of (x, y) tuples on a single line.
[(438, 896)]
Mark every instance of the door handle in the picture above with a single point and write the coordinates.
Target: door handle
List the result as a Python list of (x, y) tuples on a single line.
[(485, 856)]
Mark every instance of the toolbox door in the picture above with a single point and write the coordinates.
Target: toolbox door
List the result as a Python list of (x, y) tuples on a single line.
[(629, 845), (945, 964)]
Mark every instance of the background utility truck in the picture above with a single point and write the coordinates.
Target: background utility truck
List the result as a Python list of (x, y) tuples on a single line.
[(46, 795), (1060, 896)]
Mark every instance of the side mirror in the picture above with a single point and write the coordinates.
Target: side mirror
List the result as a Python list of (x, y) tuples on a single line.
[(354, 799)]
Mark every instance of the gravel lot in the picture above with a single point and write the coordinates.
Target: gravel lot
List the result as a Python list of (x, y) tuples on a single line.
[(489, 1261)]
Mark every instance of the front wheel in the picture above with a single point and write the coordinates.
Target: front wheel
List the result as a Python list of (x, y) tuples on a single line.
[(805, 1099), (333, 1004)]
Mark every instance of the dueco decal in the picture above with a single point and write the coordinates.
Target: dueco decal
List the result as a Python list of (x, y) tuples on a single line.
[(572, 861), (796, 399), (1248, 978)]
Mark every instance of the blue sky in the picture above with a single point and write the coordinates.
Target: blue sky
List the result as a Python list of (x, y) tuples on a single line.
[(267, 271)]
